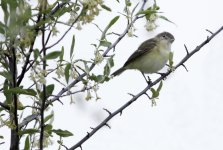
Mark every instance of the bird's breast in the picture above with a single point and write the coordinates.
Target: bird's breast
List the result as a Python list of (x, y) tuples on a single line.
[(151, 62)]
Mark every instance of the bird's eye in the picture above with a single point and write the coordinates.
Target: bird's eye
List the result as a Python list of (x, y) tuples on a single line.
[(164, 36)]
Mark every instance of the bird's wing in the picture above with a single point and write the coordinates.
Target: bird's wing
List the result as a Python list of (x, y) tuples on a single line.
[(145, 47)]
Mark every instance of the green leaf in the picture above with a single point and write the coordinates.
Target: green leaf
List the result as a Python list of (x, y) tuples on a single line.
[(49, 89), (5, 10), (27, 131), (27, 144), (111, 23), (99, 78), (63, 133), (67, 72), (48, 127), (53, 55), (19, 90), (36, 54), (86, 68), (105, 43), (2, 28), (128, 3), (62, 54), (105, 7), (166, 19), (111, 61), (106, 70), (155, 94), (147, 12), (72, 46), (48, 117), (7, 75), (7, 95)]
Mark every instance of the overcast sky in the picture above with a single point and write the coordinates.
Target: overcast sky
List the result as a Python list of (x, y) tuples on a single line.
[(189, 111)]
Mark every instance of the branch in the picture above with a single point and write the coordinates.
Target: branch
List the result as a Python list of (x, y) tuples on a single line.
[(123, 107), (25, 68), (43, 102), (80, 77), (61, 38), (104, 55), (4, 106)]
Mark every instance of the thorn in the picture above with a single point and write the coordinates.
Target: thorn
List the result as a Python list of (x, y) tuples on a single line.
[(162, 74), (116, 34), (92, 128), (60, 101), (209, 31), (107, 125), (120, 113), (207, 39), (107, 111), (186, 49), (185, 67), (81, 147), (135, 35), (114, 49), (147, 95), (131, 94), (88, 134)]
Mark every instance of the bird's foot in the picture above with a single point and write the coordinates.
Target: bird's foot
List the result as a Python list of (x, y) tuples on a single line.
[(148, 80)]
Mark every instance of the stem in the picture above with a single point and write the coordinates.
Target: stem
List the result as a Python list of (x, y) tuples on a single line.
[(44, 85), (14, 131)]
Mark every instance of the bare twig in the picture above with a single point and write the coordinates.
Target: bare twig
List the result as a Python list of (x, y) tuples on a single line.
[(185, 67), (107, 111), (209, 31), (44, 97), (186, 49), (65, 33)]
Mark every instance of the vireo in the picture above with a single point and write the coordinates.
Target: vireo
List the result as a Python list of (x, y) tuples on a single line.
[(151, 56)]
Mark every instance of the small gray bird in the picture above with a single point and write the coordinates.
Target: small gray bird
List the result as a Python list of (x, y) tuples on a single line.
[(151, 56)]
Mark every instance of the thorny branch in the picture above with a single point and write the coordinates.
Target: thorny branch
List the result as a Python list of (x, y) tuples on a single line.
[(123, 107)]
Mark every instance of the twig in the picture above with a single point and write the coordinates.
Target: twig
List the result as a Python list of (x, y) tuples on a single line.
[(119, 110), (209, 31), (107, 111), (65, 33), (185, 67), (44, 97), (186, 49), (4, 106)]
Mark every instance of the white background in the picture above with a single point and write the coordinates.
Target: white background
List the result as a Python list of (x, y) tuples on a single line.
[(189, 111)]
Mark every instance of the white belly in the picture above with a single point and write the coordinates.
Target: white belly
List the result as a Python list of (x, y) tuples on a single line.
[(151, 62)]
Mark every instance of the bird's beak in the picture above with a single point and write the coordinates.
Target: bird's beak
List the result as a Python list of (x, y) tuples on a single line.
[(172, 40)]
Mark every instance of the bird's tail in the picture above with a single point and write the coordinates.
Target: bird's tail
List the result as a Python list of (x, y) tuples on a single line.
[(118, 72)]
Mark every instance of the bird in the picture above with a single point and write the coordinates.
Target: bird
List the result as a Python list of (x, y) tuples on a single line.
[(151, 56)]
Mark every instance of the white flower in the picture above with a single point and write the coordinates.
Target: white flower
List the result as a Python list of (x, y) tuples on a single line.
[(150, 26), (89, 96), (98, 57)]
